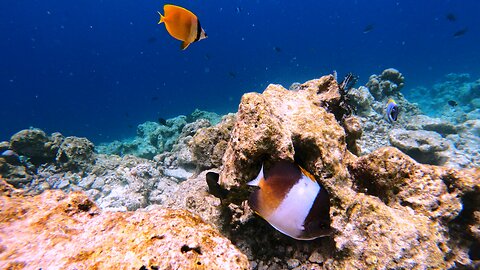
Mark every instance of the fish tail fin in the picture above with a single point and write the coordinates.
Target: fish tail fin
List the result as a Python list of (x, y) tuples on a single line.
[(256, 181), (161, 18)]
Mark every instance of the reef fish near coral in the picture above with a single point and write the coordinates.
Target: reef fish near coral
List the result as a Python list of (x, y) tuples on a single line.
[(182, 24), (292, 201), (392, 110)]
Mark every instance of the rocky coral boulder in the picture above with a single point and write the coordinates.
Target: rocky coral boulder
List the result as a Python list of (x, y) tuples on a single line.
[(390, 82), (287, 125), (55, 230), (76, 153), (32, 143), (387, 210), (209, 143), (423, 146)]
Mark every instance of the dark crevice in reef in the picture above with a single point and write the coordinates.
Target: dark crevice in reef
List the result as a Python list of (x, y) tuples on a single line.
[(186, 248), (460, 225)]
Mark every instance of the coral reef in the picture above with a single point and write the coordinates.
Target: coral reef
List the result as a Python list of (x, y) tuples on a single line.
[(60, 231), (387, 210), (155, 138), (459, 143), (390, 82), (115, 183), (458, 88)]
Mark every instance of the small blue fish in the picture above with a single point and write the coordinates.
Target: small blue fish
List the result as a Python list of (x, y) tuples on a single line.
[(392, 110)]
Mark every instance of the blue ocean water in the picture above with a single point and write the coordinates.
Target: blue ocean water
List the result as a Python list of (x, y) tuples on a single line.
[(99, 68)]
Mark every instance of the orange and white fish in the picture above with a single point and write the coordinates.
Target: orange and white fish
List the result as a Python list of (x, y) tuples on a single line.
[(182, 24), (292, 201)]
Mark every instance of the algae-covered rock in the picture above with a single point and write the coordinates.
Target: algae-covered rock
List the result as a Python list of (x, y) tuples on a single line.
[(32, 143), (62, 231), (75, 153)]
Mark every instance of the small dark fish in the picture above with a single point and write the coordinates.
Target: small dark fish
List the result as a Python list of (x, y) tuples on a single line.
[(151, 40), (451, 17), (277, 49), (127, 115), (232, 74), (460, 32), (155, 98), (368, 28), (162, 121), (130, 126), (214, 187), (452, 103), (207, 56)]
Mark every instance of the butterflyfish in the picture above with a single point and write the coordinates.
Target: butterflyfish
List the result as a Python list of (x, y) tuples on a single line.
[(392, 110), (182, 24), (292, 201)]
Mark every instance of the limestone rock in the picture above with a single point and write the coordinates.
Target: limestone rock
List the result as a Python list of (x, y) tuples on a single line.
[(55, 230), (387, 210), (282, 124), (423, 146)]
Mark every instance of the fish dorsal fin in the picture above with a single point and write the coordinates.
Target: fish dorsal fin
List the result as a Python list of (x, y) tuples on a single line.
[(307, 174), (184, 45), (256, 181)]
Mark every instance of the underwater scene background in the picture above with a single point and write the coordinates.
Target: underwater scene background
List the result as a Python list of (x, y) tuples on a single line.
[(99, 68), (298, 135)]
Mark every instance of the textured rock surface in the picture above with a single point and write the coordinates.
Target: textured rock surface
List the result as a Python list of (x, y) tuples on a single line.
[(387, 210), (59, 231), (423, 146), (209, 143), (282, 124), (75, 153)]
